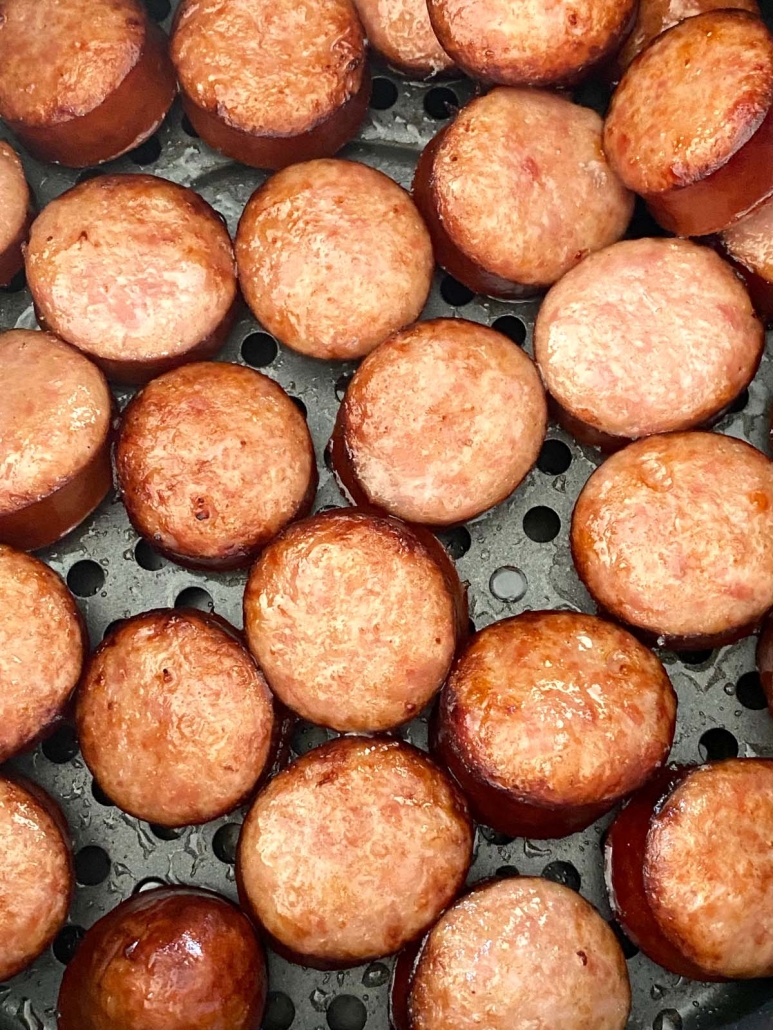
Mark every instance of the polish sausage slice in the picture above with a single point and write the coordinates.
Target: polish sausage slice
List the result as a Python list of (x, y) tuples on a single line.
[(15, 213), (333, 257), (699, 149), (54, 439), (648, 336), (748, 245), (517, 190), (531, 43), (36, 887), (674, 535), (690, 870), (175, 721), (176, 957), (548, 719), (519, 954), (213, 460), (136, 271), (439, 423), (352, 851), (272, 82), (402, 34), (43, 645), (84, 81), (354, 619)]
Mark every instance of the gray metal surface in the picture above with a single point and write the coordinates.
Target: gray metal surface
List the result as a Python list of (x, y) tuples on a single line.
[(115, 583)]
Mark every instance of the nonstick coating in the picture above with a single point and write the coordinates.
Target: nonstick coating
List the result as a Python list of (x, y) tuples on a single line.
[(518, 551)]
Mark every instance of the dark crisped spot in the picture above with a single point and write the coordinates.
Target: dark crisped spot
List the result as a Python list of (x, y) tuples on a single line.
[(582, 957), (167, 675), (383, 94)]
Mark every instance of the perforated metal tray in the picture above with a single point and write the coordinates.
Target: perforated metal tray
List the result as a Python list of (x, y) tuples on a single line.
[(516, 558)]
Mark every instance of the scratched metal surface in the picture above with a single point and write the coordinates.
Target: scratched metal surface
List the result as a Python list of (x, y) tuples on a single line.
[(118, 582)]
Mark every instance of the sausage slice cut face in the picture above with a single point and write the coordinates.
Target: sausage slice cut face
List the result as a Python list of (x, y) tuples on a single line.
[(548, 719), (674, 535), (272, 82), (648, 336), (36, 887), (402, 34), (15, 213), (175, 720), (354, 619), (54, 438), (439, 423), (43, 645), (137, 272), (84, 81), (690, 870), (517, 190), (531, 43), (749, 246), (175, 957), (699, 149), (333, 257), (213, 461), (518, 954), (353, 851)]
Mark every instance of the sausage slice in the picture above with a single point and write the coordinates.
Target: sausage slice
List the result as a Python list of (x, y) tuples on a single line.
[(36, 887), (690, 870), (213, 460), (173, 697), (517, 190), (648, 336), (43, 645), (272, 82), (748, 245), (137, 272), (352, 851), (54, 439), (15, 213), (84, 81), (439, 423), (354, 619), (699, 151), (548, 719), (175, 957), (401, 32), (333, 257), (674, 535), (533, 43), (519, 954), (654, 17)]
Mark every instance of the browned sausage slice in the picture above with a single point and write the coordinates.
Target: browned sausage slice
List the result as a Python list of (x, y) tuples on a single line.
[(354, 619), (84, 81), (699, 151), (36, 887), (15, 213), (439, 423), (648, 336), (690, 870), (333, 257), (655, 16), (531, 43), (674, 535), (272, 82), (213, 461), (43, 645), (54, 439), (516, 955), (137, 272), (517, 190), (402, 34), (749, 246), (550, 718), (353, 851), (175, 721), (176, 957)]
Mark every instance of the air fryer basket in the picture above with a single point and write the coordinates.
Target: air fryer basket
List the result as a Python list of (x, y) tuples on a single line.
[(515, 559)]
